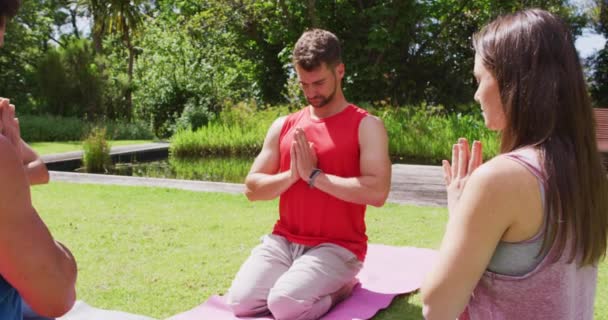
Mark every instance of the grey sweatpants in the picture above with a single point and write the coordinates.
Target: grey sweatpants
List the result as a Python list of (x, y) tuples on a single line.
[(291, 281)]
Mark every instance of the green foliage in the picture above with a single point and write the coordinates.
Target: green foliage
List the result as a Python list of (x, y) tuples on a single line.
[(416, 134), (113, 62), (26, 38), (128, 130), (421, 55), (96, 155), (239, 131), (599, 78), (53, 128), (599, 61), (193, 117), (69, 82), (181, 76), (177, 64)]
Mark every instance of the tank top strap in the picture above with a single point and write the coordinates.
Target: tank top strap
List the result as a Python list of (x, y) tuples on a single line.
[(529, 158)]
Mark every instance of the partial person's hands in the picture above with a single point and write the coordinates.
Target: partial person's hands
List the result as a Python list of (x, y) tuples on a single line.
[(293, 168), (464, 162), (306, 157), (9, 125)]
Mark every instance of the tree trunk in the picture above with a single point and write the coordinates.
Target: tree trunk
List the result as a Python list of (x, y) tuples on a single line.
[(98, 32), (129, 93), (312, 14)]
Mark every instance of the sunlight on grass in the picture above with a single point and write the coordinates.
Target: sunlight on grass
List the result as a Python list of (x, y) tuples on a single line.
[(159, 252), (44, 148)]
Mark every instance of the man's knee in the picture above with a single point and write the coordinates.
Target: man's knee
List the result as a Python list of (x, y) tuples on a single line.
[(284, 306), (245, 302)]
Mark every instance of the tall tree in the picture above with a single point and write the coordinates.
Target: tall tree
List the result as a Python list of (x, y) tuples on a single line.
[(122, 17)]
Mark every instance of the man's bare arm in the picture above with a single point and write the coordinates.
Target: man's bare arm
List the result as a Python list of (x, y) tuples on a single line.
[(263, 181), (373, 186)]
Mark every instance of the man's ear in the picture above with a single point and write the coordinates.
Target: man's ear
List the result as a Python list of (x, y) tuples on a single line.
[(340, 70)]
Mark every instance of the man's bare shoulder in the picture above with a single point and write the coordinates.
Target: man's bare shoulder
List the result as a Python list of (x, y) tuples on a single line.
[(372, 122), (371, 126), (275, 128)]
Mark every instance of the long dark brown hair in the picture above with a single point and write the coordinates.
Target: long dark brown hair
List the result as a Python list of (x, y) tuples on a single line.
[(532, 56)]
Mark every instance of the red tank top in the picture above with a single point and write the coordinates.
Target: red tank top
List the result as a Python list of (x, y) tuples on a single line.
[(310, 216)]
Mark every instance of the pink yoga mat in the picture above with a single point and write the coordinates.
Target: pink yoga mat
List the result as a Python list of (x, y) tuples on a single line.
[(388, 271)]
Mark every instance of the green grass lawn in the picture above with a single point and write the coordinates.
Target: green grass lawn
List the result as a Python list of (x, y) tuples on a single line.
[(43, 148), (158, 251)]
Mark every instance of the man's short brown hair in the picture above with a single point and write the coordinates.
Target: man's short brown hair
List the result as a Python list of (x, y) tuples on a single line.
[(315, 47)]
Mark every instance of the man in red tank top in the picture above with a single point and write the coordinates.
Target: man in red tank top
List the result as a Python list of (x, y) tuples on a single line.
[(326, 162)]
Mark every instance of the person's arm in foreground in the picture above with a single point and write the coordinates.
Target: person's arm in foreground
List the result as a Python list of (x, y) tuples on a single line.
[(40, 268), (373, 185)]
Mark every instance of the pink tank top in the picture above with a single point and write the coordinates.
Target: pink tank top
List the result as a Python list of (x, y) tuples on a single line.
[(559, 290)]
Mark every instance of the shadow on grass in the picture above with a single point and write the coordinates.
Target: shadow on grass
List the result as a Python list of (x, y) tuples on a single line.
[(403, 307)]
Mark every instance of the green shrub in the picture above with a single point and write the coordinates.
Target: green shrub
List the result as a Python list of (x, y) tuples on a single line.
[(183, 78), (124, 130), (239, 131), (69, 81), (96, 156), (54, 128), (416, 134)]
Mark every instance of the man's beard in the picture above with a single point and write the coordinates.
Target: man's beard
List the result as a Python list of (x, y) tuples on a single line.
[(323, 101)]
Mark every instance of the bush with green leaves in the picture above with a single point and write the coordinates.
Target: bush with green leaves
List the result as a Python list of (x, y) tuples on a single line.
[(69, 81), (96, 155), (54, 128), (128, 130), (239, 131), (423, 135), (416, 134), (183, 77)]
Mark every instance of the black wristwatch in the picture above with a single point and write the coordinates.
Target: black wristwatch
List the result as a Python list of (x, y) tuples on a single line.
[(313, 175)]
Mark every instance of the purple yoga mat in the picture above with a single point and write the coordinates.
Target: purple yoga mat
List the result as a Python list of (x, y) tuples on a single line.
[(387, 272)]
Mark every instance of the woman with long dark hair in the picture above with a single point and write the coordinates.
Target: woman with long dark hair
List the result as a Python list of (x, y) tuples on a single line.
[(526, 229)]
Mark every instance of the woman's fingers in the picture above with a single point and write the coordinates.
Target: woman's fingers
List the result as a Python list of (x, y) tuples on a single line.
[(462, 161), (454, 160), (465, 143), (447, 172)]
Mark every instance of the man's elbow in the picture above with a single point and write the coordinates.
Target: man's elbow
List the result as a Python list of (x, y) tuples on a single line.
[(59, 304), (379, 199), (251, 196), (250, 189), (63, 307)]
